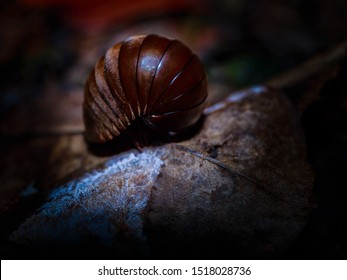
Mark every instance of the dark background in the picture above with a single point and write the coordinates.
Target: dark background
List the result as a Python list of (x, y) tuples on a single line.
[(50, 44)]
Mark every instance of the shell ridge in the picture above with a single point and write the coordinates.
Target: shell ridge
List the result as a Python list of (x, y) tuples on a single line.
[(93, 104), (142, 110), (101, 128), (152, 48), (186, 109), (105, 94), (121, 81), (156, 71), (178, 120), (172, 81), (189, 90), (94, 133), (103, 107), (111, 76)]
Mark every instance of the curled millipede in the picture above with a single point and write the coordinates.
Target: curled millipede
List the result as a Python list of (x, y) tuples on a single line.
[(147, 83)]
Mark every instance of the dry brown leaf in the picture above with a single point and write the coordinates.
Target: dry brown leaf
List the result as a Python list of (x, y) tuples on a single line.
[(240, 188)]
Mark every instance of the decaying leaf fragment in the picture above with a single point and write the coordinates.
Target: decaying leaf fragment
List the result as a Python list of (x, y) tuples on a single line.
[(240, 188)]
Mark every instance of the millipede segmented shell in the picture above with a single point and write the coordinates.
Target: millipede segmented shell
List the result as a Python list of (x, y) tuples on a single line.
[(146, 78)]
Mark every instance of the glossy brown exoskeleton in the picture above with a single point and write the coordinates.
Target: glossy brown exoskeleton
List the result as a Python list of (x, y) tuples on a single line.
[(146, 83)]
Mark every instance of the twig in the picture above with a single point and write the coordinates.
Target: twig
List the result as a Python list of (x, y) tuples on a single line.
[(311, 67), (322, 67)]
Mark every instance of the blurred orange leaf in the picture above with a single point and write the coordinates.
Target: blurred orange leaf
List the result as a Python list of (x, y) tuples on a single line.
[(99, 13)]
